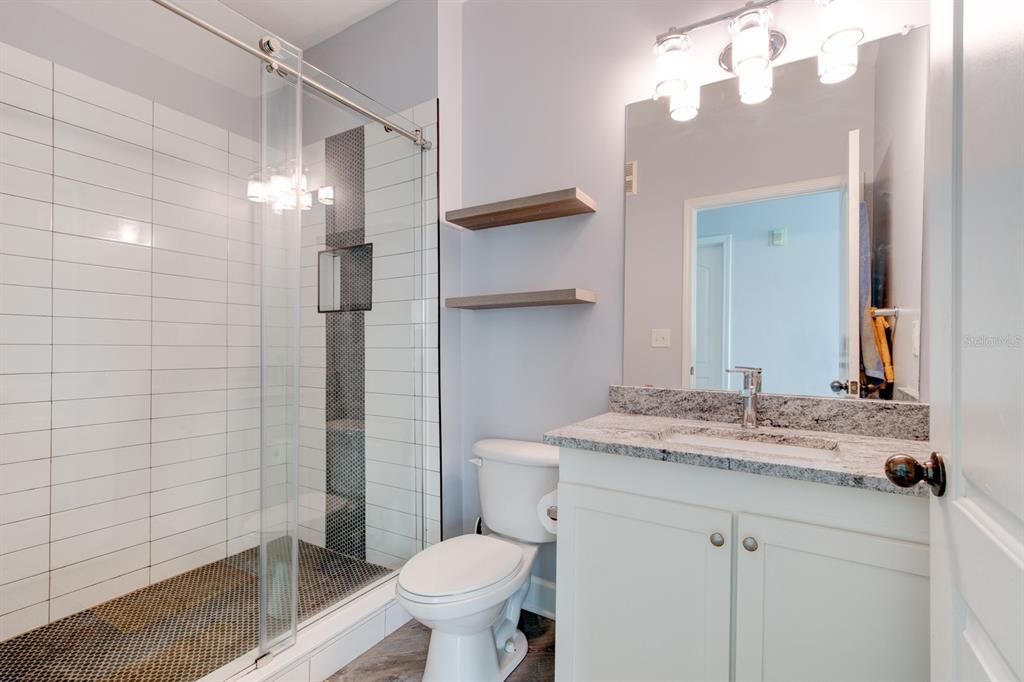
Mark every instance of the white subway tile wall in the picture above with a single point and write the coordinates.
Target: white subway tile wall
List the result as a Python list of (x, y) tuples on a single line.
[(402, 398), (130, 344)]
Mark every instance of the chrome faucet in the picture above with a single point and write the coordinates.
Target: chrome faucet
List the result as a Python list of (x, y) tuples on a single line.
[(751, 387)]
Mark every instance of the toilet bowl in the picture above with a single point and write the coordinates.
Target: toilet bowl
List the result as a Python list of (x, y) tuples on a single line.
[(469, 590)]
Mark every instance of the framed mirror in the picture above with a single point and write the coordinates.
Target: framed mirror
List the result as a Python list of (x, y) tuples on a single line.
[(784, 235)]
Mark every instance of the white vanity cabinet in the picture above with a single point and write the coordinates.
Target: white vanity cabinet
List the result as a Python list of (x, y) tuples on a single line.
[(674, 572)]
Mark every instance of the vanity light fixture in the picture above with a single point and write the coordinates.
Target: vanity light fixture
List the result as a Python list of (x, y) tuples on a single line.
[(255, 191), (685, 105), (838, 65), (671, 65), (751, 42), (749, 55), (756, 86), (842, 23), (842, 29)]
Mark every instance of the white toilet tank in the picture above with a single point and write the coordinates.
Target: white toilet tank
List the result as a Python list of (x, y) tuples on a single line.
[(513, 476)]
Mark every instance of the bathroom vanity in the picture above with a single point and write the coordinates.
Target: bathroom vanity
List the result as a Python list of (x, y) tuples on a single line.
[(692, 549)]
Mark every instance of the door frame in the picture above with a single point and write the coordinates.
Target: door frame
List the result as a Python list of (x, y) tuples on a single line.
[(726, 242), (745, 196)]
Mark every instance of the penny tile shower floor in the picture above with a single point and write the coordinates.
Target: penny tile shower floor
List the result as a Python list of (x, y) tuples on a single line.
[(179, 629)]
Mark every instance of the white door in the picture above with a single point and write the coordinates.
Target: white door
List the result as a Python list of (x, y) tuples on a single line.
[(976, 319), (815, 604), (643, 588), (711, 354)]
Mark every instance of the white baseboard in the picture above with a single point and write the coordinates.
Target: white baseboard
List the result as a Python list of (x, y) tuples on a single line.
[(541, 598)]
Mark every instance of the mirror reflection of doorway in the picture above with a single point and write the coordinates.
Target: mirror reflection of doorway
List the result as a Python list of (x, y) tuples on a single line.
[(713, 311), (768, 291)]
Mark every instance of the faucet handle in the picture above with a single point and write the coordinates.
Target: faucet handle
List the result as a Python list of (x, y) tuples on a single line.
[(751, 376)]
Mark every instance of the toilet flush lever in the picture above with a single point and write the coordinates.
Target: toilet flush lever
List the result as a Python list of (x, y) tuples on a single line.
[(553, 512)]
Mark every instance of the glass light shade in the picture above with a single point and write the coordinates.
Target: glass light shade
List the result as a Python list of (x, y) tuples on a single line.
[(303, 183), (325, 195), (254, 191), (837, 66), (756, 87), (671, 65), (842, 24), (307, 201), (751, 42), (279, 186), (685, 106)]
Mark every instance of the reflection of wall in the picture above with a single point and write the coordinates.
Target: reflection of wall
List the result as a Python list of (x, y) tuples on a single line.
[(898, 192), (783, 314), (798, 134)]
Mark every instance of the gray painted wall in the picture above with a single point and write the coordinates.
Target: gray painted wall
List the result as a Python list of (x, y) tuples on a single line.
[(544, 90), (391, 55)]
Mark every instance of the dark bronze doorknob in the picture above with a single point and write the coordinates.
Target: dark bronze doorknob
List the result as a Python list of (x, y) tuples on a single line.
[(906, 472)]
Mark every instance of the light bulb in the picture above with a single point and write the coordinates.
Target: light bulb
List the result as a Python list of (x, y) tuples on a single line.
[(325, 195), (838, 65), (842, 24), (255, 191), (279, 186), (756, 87), (671, 65), (751, 42), (685, 106)]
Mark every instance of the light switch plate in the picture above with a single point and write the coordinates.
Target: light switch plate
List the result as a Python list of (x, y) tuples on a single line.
[(661, 338)]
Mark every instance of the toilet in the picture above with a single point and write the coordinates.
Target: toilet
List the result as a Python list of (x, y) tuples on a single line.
[(469, 589)]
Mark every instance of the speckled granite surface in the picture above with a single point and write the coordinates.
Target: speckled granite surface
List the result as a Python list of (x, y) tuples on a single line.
[(881, 418), (854, 462)]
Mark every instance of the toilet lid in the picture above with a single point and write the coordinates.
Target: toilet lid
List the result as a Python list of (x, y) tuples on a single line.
[(460, 565)]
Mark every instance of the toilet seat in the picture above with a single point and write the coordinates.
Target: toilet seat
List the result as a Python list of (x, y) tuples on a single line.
[(458, 569)]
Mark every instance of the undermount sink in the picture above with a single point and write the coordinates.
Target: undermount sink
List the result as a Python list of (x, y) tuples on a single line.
[(753, 439)]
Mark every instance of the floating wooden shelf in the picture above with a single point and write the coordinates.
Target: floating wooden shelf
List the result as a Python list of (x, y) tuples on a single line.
[(523, 299), (557, 204)]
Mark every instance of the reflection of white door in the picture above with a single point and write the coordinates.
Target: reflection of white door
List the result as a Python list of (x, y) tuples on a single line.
[(976, 339), (711, 354)]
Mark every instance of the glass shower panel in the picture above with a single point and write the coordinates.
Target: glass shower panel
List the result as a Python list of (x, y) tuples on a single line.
[(135, 376), (279, 189), (363, 337)]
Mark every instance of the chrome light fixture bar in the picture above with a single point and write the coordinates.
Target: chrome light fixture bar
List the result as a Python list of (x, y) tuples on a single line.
[(265, 52)]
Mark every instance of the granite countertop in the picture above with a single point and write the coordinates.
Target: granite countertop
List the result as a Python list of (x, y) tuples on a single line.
[(852, 461)]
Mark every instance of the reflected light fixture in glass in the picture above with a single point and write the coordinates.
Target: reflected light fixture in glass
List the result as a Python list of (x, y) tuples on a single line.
[(756, 86)]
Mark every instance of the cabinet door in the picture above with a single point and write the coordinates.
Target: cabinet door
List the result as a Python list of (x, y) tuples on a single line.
[(643, 594), (820, 604)]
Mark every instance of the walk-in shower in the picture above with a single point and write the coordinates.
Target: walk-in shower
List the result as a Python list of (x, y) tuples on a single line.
[(218, 341)]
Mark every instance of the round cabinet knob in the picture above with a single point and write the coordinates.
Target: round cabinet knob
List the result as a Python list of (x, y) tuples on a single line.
[(905, 472), (717, 539), (750, 544)]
